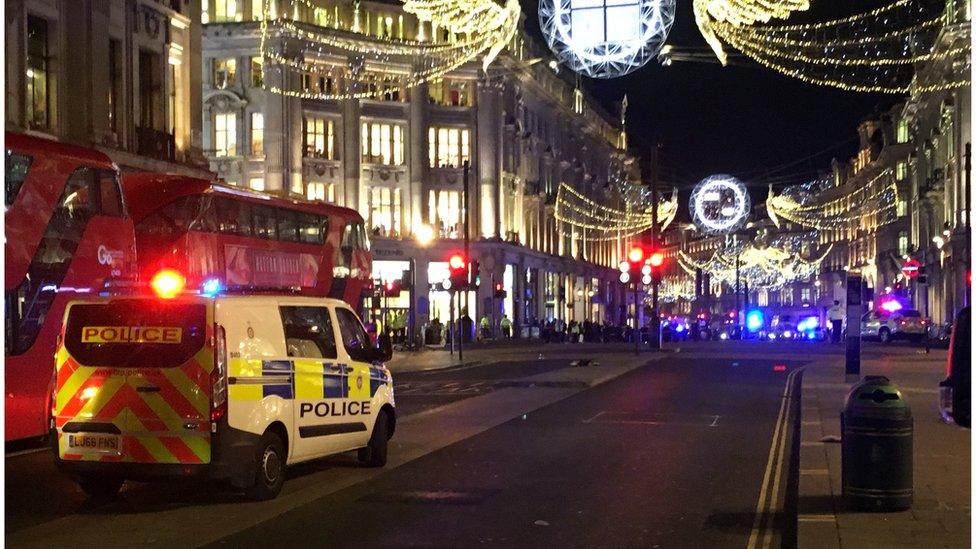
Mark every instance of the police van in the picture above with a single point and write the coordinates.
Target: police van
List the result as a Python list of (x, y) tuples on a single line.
[(214, 385)]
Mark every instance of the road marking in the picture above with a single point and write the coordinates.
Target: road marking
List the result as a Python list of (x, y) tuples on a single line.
[(814, 471), (811, 422), (774, 455), (773, 504), (816, 518), (811, 443)]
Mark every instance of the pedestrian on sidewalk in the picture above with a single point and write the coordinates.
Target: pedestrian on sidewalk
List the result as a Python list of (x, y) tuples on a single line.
[(506, 325), (485, 327), (836, 316)]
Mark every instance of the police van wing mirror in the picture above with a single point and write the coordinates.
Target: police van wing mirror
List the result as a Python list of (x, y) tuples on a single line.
[(384, 348)]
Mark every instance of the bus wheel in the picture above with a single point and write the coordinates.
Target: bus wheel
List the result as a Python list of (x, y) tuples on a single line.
[(270, 471), (100, 487), (374, 454)]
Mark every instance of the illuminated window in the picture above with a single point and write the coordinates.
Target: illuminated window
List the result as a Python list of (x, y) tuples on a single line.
[(902, 243), (257, 133), (384, 211), (320, 17), (901, 170), (901, 135), (452, 93), (444, 209), (225, 134), (320, 137), (321, 191), (256, 183), (257, 72), (382, 143), (448, 147), (902, 208), (224, 73), (38, 56), (223, 11)]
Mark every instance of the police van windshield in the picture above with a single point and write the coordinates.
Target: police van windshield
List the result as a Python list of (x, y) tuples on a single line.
[(131, 333)]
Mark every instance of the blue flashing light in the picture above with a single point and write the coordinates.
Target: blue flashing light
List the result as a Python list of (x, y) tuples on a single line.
[(211, 287), (754, 320), (808, 324), (679, 328)]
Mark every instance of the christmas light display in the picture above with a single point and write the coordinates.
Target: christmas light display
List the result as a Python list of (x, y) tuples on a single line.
[(769, 267), (874, 203), (342, 63), (719, 204), (874, 51), (600, 223), (606, 39)]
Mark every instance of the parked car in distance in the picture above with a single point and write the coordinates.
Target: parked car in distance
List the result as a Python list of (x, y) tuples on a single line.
[(886, 327)]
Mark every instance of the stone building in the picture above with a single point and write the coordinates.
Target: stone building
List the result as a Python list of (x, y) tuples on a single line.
[(122, 76), (397, 157)]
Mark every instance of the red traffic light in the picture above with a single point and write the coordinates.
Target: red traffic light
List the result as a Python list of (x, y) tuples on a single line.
[(456, 262), (656, 259), (389, 286), (636, 254), (499, 286)]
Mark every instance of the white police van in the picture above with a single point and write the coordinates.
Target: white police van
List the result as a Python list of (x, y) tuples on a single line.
[(219, 386)]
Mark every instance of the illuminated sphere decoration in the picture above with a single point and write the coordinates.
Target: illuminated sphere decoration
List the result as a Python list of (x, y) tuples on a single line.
[(605, 39), (719, 204)]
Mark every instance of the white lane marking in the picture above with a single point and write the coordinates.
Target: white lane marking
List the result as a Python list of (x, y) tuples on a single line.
[(816, 518), (594, 417), (770, 462)]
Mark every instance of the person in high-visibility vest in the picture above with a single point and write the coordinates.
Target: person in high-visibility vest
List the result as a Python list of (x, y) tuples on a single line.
[(506, 325), (485, 327)]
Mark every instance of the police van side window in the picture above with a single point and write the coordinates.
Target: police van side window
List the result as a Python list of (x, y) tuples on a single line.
[(354, 337), (308, 332)]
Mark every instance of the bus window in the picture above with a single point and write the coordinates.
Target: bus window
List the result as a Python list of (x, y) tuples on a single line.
[(110, 196), (287, 225), (17, 166), (264, 222), (312, 228), (233, 217), (28, 303)]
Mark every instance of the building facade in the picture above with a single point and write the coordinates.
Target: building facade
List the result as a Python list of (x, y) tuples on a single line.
[(122, 76), (398, 157)]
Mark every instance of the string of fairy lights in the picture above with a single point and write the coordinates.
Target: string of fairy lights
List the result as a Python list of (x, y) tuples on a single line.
[(873, 51), (879, 207), (598, 222), (770, 267), (352, 65)]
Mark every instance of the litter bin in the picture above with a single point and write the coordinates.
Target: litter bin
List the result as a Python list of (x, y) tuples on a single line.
[(876, 447)]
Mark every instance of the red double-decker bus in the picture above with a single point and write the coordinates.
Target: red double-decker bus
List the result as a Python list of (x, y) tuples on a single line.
[(235, 238), (67, 233)]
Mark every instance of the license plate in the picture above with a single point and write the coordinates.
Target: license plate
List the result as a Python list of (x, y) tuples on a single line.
[(95, 443)]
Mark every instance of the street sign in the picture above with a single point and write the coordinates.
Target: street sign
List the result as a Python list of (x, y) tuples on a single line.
[(911, 267)]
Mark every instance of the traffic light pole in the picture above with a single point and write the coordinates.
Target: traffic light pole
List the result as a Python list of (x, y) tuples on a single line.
[(655, 335), (467, 256), (637, 334), (460, 329)]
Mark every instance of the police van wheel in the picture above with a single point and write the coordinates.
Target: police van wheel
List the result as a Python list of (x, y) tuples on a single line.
[(100, 487), (374, 454), (270, 471)]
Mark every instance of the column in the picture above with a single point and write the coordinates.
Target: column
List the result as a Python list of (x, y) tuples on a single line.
[(489, 156), (414, 204), (350, 153)]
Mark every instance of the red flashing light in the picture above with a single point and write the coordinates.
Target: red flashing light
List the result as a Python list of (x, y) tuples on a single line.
[(635, 255), (656, 259), (779, 368), (167, 283), (456, 262)]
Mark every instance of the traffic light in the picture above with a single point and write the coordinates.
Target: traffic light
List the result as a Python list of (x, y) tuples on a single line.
[(458, 268), (474, 275), (500, 291), (391, 288)]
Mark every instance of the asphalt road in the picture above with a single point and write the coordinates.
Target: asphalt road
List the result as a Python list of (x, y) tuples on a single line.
[(670, 455)]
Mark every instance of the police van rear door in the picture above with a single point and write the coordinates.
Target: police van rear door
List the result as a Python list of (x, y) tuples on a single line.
[(322, 415), (138, 370)]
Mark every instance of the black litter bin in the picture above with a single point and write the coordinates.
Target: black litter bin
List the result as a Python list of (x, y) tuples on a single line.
[(876, 447)]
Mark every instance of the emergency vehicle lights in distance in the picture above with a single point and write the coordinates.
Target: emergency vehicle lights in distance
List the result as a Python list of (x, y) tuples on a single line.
[(167, 283), (211, 287)]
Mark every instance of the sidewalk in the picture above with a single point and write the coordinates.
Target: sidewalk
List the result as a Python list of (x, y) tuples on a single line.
[(940, 515), (497, 351)]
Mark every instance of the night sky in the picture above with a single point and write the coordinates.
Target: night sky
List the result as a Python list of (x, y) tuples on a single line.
[(747, 121)]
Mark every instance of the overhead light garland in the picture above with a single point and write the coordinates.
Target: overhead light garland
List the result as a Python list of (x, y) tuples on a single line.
[(358, 66), (601, 223), (874, 51), (769, 267), (876, 202)]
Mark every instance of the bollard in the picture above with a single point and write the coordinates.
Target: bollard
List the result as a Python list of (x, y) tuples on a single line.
[(876, 447)]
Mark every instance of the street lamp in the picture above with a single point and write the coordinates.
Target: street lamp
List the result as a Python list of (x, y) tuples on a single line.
[(424, 235)]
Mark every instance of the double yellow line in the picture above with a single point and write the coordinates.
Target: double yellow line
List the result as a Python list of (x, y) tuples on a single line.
[(766, 507)]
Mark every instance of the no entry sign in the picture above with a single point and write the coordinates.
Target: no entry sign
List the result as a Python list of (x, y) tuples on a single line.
[(911, 267)]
